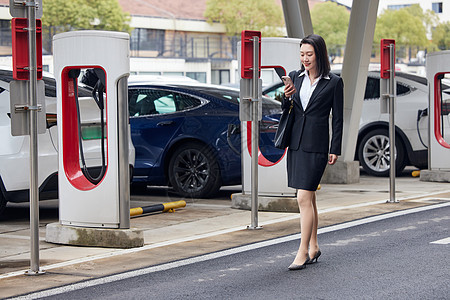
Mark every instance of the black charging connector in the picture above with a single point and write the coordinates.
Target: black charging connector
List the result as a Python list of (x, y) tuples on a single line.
[(420, 114), (74, 73)]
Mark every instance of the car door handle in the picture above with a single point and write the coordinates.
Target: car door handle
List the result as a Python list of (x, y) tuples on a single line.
[(165, 123)]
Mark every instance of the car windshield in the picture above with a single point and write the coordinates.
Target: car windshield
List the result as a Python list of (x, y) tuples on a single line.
[(232, 95)]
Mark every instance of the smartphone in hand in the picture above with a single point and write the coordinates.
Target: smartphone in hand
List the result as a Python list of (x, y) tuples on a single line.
[(287, 80)]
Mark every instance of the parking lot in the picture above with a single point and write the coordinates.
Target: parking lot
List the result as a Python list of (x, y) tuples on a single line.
[(204, 225)]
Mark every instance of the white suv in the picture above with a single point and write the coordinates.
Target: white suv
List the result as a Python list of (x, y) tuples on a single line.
[(14, 150)]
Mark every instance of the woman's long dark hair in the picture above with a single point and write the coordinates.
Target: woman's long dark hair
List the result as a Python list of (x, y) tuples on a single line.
[(320, 49)]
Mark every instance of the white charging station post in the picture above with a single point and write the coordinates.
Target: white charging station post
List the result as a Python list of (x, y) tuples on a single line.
[(273, 192), (438, 75), (275, 53), (105, 204), (388, 95), (250, 106)]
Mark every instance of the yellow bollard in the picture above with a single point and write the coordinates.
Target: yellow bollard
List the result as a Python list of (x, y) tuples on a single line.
[(164, 207), (172, 205)]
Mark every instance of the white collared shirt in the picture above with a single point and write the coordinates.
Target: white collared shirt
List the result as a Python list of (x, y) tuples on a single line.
[(307, 88)]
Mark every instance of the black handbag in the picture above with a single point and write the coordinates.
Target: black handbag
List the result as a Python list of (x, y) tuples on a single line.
[(284, 130)]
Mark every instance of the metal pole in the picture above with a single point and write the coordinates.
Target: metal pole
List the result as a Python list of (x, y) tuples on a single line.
[(33, 111), (255, 135), (124, 171), (392, 151)]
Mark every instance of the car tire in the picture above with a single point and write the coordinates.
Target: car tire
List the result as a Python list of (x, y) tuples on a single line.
[(373, 153), (194, 172)]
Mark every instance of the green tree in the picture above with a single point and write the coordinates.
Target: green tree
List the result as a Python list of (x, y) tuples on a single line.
[(428, 17), (330, 20), (237, 15), (85, 14), (406, 28), (441, 36)]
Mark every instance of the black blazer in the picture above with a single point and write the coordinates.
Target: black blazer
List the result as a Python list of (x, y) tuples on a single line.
[(311, 127)]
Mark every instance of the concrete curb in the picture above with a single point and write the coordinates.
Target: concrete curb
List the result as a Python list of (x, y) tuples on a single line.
[(273, 204), (434, 176), (94, 237)]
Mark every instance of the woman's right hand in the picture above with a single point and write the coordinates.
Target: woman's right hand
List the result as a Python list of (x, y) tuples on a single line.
[(289, 90)]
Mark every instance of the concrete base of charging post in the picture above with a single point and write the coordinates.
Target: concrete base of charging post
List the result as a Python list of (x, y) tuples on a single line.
[(265, 203), (339, 173), (342, 173), (94, 237), (435, 176)]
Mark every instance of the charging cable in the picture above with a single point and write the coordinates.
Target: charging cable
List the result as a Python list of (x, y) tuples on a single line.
[(98, 89)]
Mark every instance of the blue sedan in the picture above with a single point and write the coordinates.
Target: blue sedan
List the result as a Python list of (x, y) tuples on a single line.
[(188, 136)]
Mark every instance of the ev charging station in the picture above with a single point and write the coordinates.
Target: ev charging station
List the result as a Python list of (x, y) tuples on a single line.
[(438, 75), (272, 176), (87, 200)]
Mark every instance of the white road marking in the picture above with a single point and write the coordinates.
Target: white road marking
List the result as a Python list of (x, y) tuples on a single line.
[(206, 235), (445, 241), (406, 228), (345, 242), (206, 257)]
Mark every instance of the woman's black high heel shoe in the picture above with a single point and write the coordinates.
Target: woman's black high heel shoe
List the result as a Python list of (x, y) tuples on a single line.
[(294, 267), (314, 259)]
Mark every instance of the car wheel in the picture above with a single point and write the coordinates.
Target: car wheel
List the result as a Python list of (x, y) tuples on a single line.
[(374, 153), (194, 172)]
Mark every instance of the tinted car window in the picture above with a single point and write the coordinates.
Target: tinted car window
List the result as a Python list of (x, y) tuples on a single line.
[(144, 102), (276, 93), (50, 85), (186, 102), (372, 88), (402, 89)]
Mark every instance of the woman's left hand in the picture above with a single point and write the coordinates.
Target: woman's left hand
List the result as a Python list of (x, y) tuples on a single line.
[(332, 158)]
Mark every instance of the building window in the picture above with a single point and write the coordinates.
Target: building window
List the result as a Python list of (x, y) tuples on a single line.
[(220, 76), (199, 76), (437, 7), (398, 6), (147, 42)]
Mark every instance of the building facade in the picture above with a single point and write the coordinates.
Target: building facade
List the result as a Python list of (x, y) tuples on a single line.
[(168, 38)]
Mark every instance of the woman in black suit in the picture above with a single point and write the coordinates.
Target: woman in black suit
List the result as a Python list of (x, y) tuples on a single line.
[(315, 93)]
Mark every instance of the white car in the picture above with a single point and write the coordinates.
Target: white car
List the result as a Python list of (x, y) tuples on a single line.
[(411, 121), (14, 150)]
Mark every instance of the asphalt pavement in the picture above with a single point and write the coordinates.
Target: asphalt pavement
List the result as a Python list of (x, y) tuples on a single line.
[(203, 226), (373, 259)]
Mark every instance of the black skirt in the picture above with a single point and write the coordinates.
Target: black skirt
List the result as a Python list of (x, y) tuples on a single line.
[(305, 169)]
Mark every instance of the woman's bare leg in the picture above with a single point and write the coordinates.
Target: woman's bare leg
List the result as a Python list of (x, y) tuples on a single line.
[(313, 242), (305, 203)]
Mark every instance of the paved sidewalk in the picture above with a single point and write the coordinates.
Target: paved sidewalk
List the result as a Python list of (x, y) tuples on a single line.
[(202, 226)]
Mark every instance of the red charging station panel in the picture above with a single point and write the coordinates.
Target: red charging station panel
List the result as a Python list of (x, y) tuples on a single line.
[(247, 53), (20, 48), (385, 59)]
